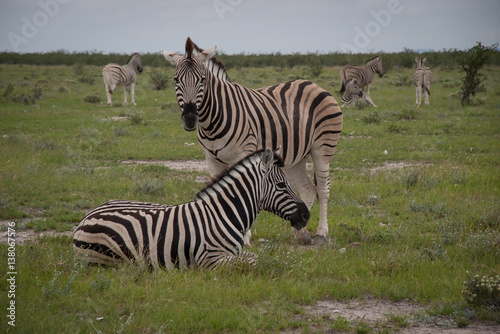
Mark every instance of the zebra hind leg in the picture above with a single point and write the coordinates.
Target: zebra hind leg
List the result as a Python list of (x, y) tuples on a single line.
[(132, 92), (419, 95), (125, 93), (109, 91)]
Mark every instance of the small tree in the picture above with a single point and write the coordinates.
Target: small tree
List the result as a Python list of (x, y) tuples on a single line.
[(471, 61)]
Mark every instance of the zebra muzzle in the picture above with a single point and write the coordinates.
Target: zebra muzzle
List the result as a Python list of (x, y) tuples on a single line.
[(189, 117), (300, 217)]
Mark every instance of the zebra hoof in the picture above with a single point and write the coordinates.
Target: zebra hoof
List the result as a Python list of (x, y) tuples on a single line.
[(319, 240)]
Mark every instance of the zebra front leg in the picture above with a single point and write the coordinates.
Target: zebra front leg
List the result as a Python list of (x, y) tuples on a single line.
[(369, 100), (426, 96), (132, 92), (323, 190), (225, 260), (297, 175)]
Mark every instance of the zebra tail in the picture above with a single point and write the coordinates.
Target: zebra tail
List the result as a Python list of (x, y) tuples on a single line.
[(107, 81), (425, 83)]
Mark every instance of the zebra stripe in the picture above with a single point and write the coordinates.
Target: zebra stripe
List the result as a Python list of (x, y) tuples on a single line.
[(352, 94), (204, 233), (364, 74), (116, 75), (298, 116), (422, 79)]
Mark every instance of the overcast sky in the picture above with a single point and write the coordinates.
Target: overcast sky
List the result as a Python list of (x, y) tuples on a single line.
[(247, 26)]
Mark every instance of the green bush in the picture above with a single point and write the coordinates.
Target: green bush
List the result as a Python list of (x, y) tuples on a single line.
[(160, 80), (482, 291), (92, 98), (471, 61)]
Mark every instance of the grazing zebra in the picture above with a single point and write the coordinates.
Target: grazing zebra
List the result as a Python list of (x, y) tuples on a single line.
[(116, 75), (364, 74), (298, 116), (422, 79), (204, 233), (352, 94)]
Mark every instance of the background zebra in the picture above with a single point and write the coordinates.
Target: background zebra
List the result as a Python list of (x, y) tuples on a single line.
[(116, 75), (204, 233), (422, 79), (352, 94), (233, 121), (364, 74)]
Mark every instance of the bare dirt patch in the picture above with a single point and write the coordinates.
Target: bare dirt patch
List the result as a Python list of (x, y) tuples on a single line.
[(378, 313), (182, 165), (24, 235)]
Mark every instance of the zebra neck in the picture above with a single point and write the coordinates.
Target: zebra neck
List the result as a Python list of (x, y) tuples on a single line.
[(213, 104), (233, 199)]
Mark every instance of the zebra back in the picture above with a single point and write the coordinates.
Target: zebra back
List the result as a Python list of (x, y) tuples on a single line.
[(116, 75), (363, 74), (203, 233), (423, 75)]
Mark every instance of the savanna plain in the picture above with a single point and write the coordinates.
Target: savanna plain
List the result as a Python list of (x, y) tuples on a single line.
[(414, 210)]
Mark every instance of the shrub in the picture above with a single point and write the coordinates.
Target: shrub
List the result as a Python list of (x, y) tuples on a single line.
[(482, 291), (371, 118), (471, 61), (159, 79), (92, 98), (136, 117), (149, 187)]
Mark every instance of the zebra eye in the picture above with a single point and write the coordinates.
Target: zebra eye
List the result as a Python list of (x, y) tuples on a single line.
[(281, 185), (176, 79)]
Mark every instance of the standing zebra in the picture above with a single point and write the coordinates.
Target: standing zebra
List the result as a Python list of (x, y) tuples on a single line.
[(204, 233), (422, 79), (364, 74), (352, 94), (116, 75), (233, 121)]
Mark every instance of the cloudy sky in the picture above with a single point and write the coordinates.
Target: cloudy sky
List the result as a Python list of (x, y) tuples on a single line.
[(247, 26)]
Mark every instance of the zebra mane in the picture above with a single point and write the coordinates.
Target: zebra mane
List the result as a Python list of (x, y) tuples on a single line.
[(371, 60), (214, 65), (278, 161), (132, 56)]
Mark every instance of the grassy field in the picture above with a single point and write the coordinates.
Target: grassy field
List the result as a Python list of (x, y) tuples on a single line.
[(414, 206)]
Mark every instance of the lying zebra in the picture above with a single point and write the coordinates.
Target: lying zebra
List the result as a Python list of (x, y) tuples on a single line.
[(353, 93), (204, 233)]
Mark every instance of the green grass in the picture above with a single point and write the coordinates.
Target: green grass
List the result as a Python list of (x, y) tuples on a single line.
[(407, 223)]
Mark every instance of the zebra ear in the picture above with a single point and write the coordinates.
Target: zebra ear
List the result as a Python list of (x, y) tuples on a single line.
[(267, 158), (172, 57), (207, 54)]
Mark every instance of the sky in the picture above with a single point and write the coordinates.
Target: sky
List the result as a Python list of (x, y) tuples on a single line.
[(247, 26)]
